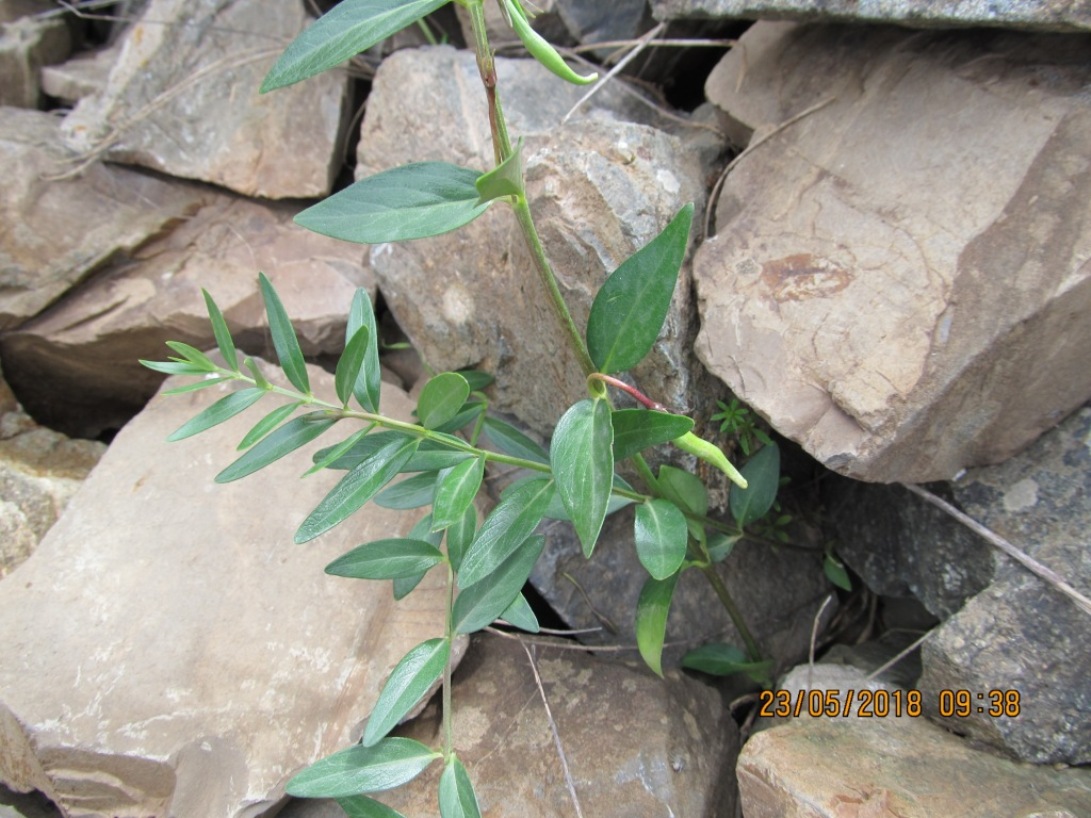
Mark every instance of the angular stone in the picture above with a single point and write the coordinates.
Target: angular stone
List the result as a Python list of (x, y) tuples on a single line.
[(81, 76), (168, 650), (76, 366), (897, 333), (635, 744), (904, 767), (41, 252), (1022, 634), (27, 43), (1040, 15), (183, 99), (600, 189)]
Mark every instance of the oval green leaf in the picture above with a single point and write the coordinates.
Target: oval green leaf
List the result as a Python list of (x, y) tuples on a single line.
[(357, 770), (285, 341), (520, 615), (456, 491), (351, 27), (720, 659), (835, 572), (651, 619), (407, 684), (441, 398), (267, 424), (505, 529), (478, 605), (223, 409), (386, 559), (510, 440), (457, 798), (661, 533), (193, 355), (356, 488), (369, 380), (413, 492), (637, 429), (350, 364), (409, 202), (506, 179), (684, 489), (360, 806), (762, 473), (582, 457), (289, 437), (629, 310), (460, 535)]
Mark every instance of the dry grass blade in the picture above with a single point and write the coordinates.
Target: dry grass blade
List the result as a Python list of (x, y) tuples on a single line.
[(642, 43)]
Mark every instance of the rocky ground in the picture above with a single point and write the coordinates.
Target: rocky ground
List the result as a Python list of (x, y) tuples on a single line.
[(892, 267)]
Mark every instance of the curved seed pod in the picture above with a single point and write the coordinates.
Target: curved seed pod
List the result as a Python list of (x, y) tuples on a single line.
[(540, 49), (689, 442)]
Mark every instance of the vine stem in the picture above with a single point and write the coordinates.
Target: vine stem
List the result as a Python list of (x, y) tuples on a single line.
[(733, 611)]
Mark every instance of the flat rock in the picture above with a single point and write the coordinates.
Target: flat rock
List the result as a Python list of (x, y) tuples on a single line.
[(41, 255), (183, 99), (1040, 15), (76, 365), (169, 651), (904, 767), (600, 188), (634, 744), (899, 333)]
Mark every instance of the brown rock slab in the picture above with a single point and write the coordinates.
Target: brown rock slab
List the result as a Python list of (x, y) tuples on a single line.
[(168, 650), (635, 744), (183, 99), (42, 254), (76, 366), (895, 768), (600, 187), (899, 273)]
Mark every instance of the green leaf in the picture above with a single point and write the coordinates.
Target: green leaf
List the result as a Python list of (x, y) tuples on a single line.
[(511, 441), (289, 437), (557, 511), (403, 586), (223, 409), (386, 559), (360, 806), (409, 202), (661, 533), (651, 619), (441, 398), (362, 451), (637, 429), (174, 367), (350, 365), (388, 764), (719, 659), (222, 333), (456, 792), (762, 473), (349, 28), (259, 379), (193, 355), (582, 457), (470, 411), (356, 488), (267, 424), (205, 383), (284, 338), (477, 379), (629, 310), (479, 604), (505, 529), (721, 545), (684, 489), (335, 452), (836, 573), (434, 456), (413, 492), (506, 179), (460, 535), (407, 684), (521, 615), (369, 381), (456, 491)]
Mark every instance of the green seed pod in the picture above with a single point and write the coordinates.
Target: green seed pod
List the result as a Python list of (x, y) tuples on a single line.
[(539, 48), (689, 442)]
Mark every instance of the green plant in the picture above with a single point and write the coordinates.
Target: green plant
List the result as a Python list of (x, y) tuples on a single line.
[(574, 480)]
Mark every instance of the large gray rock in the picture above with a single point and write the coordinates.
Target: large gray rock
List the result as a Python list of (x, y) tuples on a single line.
[(600, 189), (183, 99), (899, 278), (27, 43), (1022, 634), (904, 767), (53, 233), (168, 650), (76, 366), (635, 744), (1044, 15)]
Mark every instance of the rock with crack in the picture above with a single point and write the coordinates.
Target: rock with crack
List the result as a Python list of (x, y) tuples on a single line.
[(168, 650), (899, 275)]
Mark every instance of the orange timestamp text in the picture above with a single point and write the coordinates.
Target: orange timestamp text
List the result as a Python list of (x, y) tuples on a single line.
[(866, 703)]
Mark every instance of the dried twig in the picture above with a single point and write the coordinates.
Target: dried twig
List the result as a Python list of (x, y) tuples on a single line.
[(814, 638), (642, 43), (994, 539), (899, 656)]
